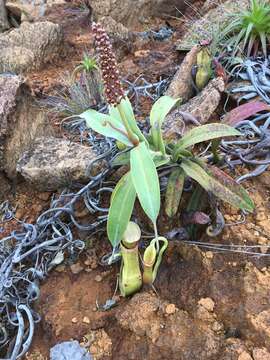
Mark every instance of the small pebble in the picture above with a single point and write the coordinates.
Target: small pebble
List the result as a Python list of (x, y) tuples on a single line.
[(74, 320), (217, 326), (44, 196), (207, 303), (88, 262), (209, 255), (93, 349), (260, 216), (76, 268), (86, 320), (94, 265), (98, 278), (170, 309), (244, 356)]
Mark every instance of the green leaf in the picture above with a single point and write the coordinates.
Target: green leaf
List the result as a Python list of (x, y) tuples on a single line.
[(121, 159), (105, 125), (122, 203), (161, 108), (219, 183), (114, 113), (204, 133), (174, 191), (159, 159), (126, 109), (157, 115), (145, 180)]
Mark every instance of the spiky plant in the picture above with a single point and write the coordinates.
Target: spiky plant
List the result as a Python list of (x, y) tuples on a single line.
[(250, 28), (88, 64)]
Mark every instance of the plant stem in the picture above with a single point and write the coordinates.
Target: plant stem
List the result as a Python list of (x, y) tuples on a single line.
[(131, 136)]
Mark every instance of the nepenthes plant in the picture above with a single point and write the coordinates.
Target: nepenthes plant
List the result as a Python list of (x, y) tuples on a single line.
[(145, 155)]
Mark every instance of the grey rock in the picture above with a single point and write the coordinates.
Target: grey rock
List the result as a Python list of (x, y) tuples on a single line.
[(120, 36), (54, 163), (69, 350), (261, 354), (130, 12), (20, 121), (27, 10), (206, 26), (30, 46), (4, 24)]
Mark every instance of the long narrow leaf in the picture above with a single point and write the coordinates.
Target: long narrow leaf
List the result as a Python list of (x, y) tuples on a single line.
[(122, 203), (244, 111), (145, 180), (157, 115), (220, 184), (204, 133), (127, 110), (161, 108), (105, 125), (174, 191)]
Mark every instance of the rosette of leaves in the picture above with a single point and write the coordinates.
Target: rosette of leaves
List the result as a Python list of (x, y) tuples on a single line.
[(249, 29), (146, 154)]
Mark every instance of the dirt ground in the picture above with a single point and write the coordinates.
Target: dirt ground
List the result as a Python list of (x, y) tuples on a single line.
[(205, 305)]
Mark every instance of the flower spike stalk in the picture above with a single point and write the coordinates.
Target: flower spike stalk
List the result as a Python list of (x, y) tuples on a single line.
[(113, 90)]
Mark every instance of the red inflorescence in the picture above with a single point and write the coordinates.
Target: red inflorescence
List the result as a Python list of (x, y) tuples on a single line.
[(108, 66)]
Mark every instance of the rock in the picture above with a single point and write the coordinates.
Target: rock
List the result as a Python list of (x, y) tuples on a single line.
[(244, 356), (23, 11), (201, 107), (29, 11), (207, 303), (30, 46), (265, 225), (234, 349), (181, 85), (4, 24), (35, 355), (53, 163), (20, 121), (69, 350), (205, 27), (98, 278), (74, 320), (100, 344), (121, 38), (44, 196), (76, 268), (170, 309), (129, 13), (261, 323), (86, 320), (261, 354)]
